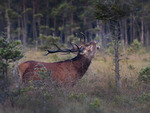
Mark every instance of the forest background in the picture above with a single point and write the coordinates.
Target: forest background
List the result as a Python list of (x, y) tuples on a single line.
[(37, 23)]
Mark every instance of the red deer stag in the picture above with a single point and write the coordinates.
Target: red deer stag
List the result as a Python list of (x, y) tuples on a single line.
[(64, 72)]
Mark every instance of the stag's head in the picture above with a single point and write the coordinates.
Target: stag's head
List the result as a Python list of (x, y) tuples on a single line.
[(89, 49)]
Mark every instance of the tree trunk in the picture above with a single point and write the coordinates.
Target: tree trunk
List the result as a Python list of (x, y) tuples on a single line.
[(54, 22), (24, 27), (85, 19), (8, 21), (47, 15), (64, 25), (147, 38), (34, 23), (97, 26), (55, 25), (122, 35), (131, 29), (8, 25), (125, 30), (136, 27), (19, 28), (101, 32), (117, 75), (142, 31), (105, 39), (109, 31), (71, 18), (39, 25)]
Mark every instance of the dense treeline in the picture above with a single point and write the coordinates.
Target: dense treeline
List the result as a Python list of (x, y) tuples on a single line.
[(35, 21)]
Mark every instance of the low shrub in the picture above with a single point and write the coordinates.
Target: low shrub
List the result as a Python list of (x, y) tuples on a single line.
[(144, 74)]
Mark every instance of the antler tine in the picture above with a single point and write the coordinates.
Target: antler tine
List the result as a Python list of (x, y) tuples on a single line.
[(75, 45), (80, 49), (72, 45), (65, 50), (83, 37), (78, 35), (46, 53), (58, 50), (80, 42), (57, 46)]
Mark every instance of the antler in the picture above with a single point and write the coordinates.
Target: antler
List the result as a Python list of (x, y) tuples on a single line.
[(74, 49), (77, 49), (83, 37)]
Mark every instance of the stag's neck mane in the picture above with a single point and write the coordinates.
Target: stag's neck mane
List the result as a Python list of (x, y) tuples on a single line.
[(80, 63), (80, 59)]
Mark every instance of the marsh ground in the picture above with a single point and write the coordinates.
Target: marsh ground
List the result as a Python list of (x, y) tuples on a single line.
[(94, 93)]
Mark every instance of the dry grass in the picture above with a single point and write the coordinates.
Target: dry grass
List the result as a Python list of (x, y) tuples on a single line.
[(94, 93)]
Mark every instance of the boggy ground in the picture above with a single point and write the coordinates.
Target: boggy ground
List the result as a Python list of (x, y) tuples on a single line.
[(94, 93)]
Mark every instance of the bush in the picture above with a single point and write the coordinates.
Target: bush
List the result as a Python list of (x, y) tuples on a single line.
[(144, 74), (95, 106), (135, 47), (48, 41), (111, 48), (131, 67), (145, 97), (77, 96), (9, 52)]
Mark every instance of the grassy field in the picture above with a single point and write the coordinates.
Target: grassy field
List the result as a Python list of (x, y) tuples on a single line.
[(94, 93)]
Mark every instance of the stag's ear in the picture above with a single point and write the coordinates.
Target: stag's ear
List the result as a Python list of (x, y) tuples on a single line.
[(83, 52), (91, 47)]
